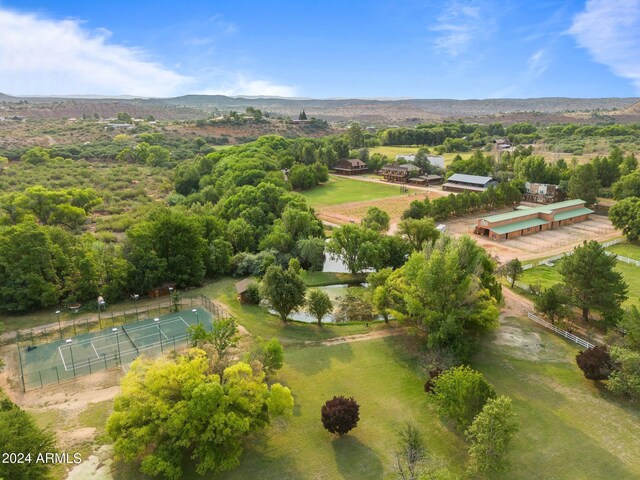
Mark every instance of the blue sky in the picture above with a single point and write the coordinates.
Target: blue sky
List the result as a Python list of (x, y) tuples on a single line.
[(418, 49)]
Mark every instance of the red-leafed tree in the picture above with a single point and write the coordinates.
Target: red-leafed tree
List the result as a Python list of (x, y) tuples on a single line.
[(340, 415), (595, 363)]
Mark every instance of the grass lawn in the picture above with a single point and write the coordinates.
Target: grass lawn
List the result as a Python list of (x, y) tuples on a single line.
[(629, 250), (260, 323), (571, 428), (345, 190), (381, 377), (549, 276), (392, 151)]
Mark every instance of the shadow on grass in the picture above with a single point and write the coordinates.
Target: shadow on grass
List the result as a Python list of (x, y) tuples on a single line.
[(355, 460), (319, 357)]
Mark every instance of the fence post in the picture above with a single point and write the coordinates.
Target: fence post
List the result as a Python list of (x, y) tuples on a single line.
[(74, 328), (57, 374), (89, 360), (24, 388), (40, 373), (174, 342), (104, 355)]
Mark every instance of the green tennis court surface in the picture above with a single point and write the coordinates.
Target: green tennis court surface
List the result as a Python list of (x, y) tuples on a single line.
[(91, 352)]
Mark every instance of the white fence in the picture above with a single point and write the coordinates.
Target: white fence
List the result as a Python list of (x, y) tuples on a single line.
[(559, 331), (620, 258)]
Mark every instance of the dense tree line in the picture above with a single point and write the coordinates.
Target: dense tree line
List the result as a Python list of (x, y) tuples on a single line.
[(455, 205)]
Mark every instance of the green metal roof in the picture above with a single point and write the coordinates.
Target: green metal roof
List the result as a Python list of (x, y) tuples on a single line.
[(514, 227), (540, 209), (571, 214)]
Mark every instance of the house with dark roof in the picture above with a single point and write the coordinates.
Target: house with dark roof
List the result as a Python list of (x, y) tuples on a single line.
[(542, 193), (528, 220), (348, 166), (426, 180), (399, 173), (461, 182)]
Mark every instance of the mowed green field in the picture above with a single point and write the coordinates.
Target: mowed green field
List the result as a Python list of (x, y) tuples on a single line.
[(549, 276), (629, 250), (391, 152), (570, 428), (340, 190)]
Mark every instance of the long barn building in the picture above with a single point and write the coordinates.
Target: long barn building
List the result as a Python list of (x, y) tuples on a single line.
[(526, 221)]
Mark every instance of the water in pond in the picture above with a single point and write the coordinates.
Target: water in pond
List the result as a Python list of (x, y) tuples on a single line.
[(334, 292)]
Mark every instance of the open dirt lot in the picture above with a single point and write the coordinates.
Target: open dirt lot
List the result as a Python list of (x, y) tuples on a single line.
[(355, 211), (548, 242)]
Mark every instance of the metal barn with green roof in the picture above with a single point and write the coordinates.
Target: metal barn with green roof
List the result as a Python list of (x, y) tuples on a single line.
[(528, 220)]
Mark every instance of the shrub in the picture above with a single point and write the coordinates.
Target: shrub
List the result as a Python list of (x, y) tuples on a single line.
[(595, 363), (430, 383), (253, 293), (460, 394), (340, 415)]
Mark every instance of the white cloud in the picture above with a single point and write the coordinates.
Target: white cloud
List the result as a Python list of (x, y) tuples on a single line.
[(459, 25), (242, 85), (609, 30), (41, 56), (537, 63)]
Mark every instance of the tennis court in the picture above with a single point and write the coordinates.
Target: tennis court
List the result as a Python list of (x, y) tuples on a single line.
[(90, 352)]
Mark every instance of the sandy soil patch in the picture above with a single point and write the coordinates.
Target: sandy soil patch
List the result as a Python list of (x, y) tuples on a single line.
[(96, 467), (526, 344)]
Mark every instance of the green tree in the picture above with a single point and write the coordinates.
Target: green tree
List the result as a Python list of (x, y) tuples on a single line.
[(186, 179), (584, 184), (158, 156), (460, 394), (269, 353), (490, 435), (19, 433), (630, 323), (283, 289), (627, 186), (356, 246), (222, 338), (552, 303), (355, 136), (418, 231), (318, 304), (382, 301), (592, 282), (36, 156), (512, 270), (311, 253), (451, 292), (32, 267), (625, 216), (376, 219), (625, 379), (175, 411), (168, 247), (124, 117)]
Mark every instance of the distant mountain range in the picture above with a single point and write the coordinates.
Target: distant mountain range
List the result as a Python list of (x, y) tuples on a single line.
[(375, 111)]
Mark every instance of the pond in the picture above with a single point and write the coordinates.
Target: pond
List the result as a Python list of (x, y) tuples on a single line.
[(335, 292)]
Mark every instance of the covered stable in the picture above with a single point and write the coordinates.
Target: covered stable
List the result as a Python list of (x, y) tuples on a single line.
[(461, 182), (526, 220)]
